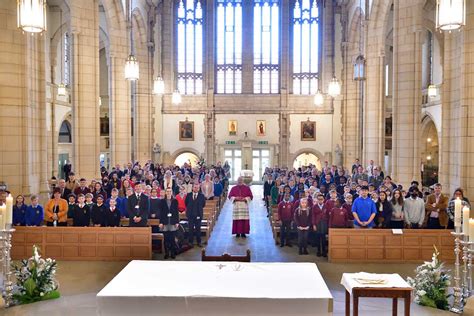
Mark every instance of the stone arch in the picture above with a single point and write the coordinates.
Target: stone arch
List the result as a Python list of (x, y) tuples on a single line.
[(181, 151), (308, 150)]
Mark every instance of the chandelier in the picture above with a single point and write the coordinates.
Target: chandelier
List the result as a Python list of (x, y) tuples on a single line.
[(132, 70), (334, 88), (450, 14), (158, 86), (31, 15), (318, 98), (176, 97)]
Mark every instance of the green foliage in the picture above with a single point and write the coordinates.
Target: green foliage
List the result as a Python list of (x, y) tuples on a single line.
[(35, 279), (431, 284)]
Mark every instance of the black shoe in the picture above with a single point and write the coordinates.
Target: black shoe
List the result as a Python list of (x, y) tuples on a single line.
[(166, 256), (305, 251), (243, 236), (300, 252), (289, 245), (199, 245), (325, 255), (282, 245), (173, 257), (237, 235), (318, 254)]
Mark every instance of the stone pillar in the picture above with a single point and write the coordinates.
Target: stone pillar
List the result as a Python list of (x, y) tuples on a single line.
[(23, 149), (85, 87), (407, 84)]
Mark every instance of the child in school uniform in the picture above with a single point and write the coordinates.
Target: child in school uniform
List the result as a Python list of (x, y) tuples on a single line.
[(82, 213), (34, 213)]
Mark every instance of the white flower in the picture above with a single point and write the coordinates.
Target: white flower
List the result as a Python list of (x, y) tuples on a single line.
[(41, 294), (421, 293)]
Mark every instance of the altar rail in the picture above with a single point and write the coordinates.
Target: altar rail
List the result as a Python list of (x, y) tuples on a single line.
[(83, 243), (381, 245)]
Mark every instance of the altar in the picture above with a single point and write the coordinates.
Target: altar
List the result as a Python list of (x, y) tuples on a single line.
[(215, 289)]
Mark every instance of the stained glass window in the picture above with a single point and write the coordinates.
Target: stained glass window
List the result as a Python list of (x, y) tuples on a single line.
[(229, 46), (266, 46), (305, 22), (189, 48)]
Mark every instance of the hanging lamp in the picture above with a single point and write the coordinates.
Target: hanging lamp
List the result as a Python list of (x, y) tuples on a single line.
[(31, 15), (450, 14)]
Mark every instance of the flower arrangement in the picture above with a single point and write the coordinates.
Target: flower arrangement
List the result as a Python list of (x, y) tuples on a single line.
[(36, 279), (431, 284)]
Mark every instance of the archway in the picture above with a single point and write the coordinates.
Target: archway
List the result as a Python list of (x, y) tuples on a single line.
[(429, 152), (186, 157), (305, 159)]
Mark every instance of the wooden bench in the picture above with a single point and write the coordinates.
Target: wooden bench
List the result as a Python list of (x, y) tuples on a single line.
[(381, 245), (83, 243)]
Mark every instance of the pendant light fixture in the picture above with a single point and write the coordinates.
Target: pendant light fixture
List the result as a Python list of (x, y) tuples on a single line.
[(31, 15), (176, 97), (450, 14), (61, 87), (132, 69), (158, 86), (359, 64), (318, 98), (334, 88)]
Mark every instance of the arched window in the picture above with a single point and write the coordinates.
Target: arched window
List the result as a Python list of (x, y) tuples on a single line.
[(189, 23), (305, 22), (65, 135), (66, 52), (266, 15), (229, 46)]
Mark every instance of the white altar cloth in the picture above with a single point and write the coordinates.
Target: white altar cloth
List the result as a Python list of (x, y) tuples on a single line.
[(349, 281), (216, 289)]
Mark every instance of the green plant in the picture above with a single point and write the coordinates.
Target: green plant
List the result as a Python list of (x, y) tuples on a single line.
[(36, 279)]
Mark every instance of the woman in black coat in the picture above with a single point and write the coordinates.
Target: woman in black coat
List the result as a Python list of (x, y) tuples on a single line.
[(169, 222), (384, 211)]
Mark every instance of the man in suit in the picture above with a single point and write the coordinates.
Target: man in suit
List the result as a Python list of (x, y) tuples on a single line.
[(267, 188), (138, 208), (436, 206), (195, 202), (63, 189)]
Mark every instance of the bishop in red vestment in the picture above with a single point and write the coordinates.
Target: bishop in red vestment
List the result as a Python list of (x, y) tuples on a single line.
[(240, 195)]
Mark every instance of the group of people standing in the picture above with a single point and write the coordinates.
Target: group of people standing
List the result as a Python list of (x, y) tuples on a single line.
[(310, 201)]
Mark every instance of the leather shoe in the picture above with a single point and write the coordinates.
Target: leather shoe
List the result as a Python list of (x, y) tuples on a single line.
[(200, 245), (243, 236)]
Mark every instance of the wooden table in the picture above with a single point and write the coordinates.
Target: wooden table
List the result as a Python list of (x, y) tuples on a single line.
[(393, 293)]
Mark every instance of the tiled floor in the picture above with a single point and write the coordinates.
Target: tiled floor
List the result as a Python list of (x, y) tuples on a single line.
[(80, 281)]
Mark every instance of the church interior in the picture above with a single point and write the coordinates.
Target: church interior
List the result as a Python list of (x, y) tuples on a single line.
[(345, 101)]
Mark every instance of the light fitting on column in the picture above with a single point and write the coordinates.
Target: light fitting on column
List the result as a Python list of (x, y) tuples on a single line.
[(61, 90), (450, 14), (318, 99), (176, 97), (31, 15), (132, 69), (158, 86), (432, 91), (334, 88)]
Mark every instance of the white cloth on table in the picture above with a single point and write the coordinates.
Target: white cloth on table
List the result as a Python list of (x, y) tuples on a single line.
[(349, 281), (215, 289)]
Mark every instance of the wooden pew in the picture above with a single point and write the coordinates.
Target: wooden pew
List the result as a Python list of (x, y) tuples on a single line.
[(83, 243), (381, 245), (275, 224)]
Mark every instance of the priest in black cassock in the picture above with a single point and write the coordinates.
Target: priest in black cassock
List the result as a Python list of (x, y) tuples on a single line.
[(137, 206)]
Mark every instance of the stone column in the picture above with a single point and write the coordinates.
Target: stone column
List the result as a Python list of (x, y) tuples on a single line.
[(85, 86)]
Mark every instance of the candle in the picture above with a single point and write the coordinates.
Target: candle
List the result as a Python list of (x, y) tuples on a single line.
[(457, 212), (471, 229), (3, 209), (465, 220), (9, 212)]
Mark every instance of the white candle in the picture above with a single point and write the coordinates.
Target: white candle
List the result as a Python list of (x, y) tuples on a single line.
[(9, 212), (3, 210), (457, 212), (471, 229), (465, 220)]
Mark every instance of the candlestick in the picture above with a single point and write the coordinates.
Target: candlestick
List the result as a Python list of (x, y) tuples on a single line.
[(9, 211), (3, 210), (457, 212), (471, 229), (465, 220)]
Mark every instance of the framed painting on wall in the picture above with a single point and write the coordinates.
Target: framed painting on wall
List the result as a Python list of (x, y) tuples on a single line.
[(186, 130), (308, 130), (232, 127), (261, 128)]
